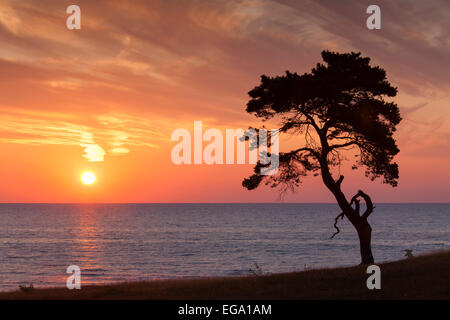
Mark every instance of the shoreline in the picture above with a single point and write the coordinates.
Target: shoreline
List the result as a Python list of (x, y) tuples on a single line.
[(423, 277)]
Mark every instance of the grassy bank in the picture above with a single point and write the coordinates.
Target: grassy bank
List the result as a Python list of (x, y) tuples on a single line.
[(423, 277)]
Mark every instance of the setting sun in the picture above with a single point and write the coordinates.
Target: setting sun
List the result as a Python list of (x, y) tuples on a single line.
[(88, 178)]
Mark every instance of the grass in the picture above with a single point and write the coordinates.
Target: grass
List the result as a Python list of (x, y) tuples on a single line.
[(421, 277)]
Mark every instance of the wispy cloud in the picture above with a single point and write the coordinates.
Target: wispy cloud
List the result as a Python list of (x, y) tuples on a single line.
[(185, 60), (111, 135)]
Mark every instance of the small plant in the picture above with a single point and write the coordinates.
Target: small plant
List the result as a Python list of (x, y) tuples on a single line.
[(257, 271), (408, 253), (26, 288)]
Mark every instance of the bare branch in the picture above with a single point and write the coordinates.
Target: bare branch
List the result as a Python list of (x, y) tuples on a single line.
[(303, 149), (289, 123), (367, 199), (369, 204), (341, 215), (343, 145), (311, 119), (357, 206), (339, 181)]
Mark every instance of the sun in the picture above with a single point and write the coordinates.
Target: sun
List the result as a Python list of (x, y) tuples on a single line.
[(88, 177)]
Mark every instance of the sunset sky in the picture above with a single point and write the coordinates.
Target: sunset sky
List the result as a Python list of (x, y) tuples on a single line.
[(106, 98)]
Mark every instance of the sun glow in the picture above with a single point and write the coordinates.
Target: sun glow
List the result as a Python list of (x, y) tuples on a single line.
[(88, 178)]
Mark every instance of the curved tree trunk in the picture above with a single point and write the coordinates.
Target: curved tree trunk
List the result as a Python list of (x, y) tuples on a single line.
[(365, 236), (359, 221), (364, 231)]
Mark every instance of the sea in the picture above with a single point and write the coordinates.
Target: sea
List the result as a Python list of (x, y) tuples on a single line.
[(113, 243)]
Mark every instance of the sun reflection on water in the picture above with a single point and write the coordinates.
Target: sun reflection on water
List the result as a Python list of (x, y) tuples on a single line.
[(86, 236)]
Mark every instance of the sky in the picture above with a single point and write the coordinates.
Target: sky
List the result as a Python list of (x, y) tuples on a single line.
[(106, 98)]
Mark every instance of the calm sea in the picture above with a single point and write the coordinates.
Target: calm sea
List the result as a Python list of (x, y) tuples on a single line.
[(112, 243)]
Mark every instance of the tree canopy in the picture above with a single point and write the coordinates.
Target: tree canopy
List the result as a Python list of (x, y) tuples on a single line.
[(339, 105)]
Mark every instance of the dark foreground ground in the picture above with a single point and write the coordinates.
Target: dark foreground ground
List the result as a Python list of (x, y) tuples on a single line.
[(423, 277)]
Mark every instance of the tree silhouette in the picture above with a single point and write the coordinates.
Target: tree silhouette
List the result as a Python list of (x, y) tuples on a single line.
[(338, 107)]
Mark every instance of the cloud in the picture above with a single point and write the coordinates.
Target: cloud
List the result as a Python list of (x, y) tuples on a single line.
[(93, 152), (9, 18), (115, 131), (170, 61), (119, 150), (418, 106)]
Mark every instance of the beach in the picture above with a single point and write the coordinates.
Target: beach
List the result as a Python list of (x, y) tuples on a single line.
[(422, 277)]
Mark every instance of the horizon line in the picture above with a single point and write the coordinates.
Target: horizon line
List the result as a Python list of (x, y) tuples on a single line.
[(127, 203)]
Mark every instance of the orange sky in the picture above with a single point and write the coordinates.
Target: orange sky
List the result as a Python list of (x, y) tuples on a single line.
[(115, 90)]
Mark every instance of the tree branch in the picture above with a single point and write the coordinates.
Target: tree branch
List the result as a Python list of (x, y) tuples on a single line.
[(343, 145), (367, 199), (313, 122), (369, 204), (339, 181), (341, 215), (357, 207), (310, 150)]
